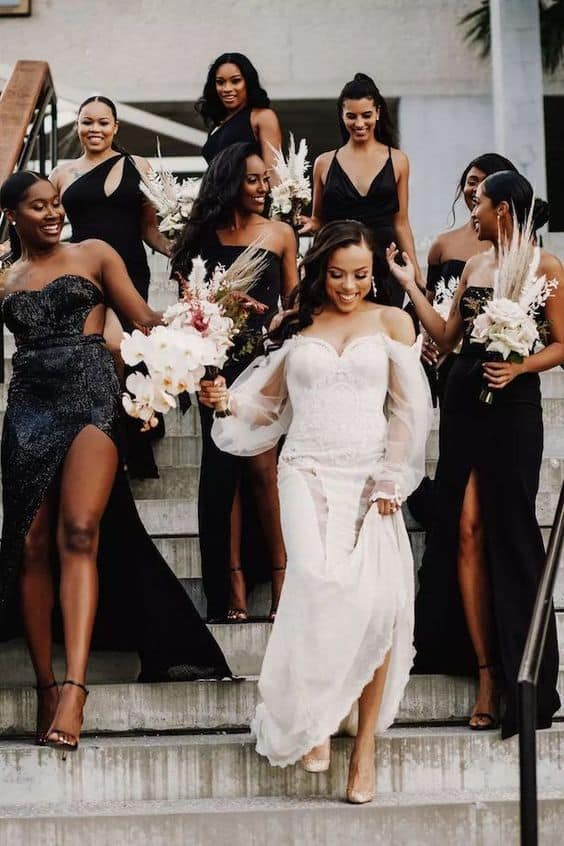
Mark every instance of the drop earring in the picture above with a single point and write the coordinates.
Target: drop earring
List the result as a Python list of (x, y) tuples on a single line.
[(374, 288)]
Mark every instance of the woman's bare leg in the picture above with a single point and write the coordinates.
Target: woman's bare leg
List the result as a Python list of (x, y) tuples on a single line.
[(37, 600), (238, 592), (87, 479), (263, 472), (361, 769), (475, 590)]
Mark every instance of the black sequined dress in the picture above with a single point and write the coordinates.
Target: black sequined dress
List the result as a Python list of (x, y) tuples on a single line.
[(503, 443), (63, 381)]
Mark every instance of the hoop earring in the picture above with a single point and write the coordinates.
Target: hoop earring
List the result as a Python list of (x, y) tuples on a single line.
[(374, 288)]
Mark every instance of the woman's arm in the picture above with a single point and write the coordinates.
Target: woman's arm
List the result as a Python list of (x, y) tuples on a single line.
[(445, 333), (315, 222), (402, 228), (289, 263), (267, 129), (150, 233), (118, 286), (501, 373)]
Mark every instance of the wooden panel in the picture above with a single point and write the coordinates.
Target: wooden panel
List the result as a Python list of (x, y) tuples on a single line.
[(17, 105)]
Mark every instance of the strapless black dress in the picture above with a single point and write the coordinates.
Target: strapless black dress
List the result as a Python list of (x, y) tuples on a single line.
[(63, 381), (503, 443)]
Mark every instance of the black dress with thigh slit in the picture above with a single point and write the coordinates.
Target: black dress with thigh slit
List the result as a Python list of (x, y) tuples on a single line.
[(63, 381), (503, 443)]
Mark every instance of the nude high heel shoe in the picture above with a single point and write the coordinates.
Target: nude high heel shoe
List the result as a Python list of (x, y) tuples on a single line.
[(318, 759)]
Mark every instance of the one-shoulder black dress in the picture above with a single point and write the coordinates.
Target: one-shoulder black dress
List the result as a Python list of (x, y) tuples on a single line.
[(235, 130), (221, 472), (64, 380), (116, 219), (375, 209), (503, 443)]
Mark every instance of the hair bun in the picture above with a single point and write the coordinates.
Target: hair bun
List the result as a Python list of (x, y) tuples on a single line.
[(541, 212), (363, 77)]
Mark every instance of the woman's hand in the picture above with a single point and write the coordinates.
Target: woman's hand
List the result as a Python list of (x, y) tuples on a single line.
[(248, 302), (214, 394), (386, 507), (309, 225), (429, 351), (500, 373), (405, 274)]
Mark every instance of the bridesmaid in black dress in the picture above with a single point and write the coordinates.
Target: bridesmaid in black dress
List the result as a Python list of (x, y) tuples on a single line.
[(101, 195), (220, 232), (69, 516), (366, 179), (236, 109), (469, 617)]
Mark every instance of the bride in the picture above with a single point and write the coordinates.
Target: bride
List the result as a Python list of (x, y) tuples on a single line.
[(342, 380)]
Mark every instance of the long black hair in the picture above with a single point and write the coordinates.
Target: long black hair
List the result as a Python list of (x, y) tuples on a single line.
[(12, 192), (210, 107), (311, 291), (517, 191), (216, 202), (99, 98), (488, 163), (357, 89)]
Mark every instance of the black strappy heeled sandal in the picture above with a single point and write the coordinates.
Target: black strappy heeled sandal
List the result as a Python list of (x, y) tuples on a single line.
[(65, 740), (493, 720), (274, 607), (41, 736), (234, 614)]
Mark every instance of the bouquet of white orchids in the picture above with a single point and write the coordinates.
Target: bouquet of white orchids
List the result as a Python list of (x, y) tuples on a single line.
[(197, 335), (508, 323), (293, 190), (173, 200)]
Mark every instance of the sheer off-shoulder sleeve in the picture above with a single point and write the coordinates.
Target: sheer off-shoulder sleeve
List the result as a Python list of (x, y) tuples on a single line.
[(260, 408), (409, 413)]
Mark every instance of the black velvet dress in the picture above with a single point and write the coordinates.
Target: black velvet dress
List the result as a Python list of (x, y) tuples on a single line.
[(235, 130), (63, 381), (375, 209), (116, 219), (503, 443), (221, 472)]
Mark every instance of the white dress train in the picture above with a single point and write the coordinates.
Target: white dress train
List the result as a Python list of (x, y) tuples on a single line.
[(355, 424)]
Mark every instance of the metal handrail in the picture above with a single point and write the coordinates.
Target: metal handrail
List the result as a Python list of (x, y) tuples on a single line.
[(528, 678)]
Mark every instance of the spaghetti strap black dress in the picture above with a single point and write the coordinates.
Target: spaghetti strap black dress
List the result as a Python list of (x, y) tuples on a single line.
[(237, 129), (63, 381), (503, 443), (221, 472), (116, 219), (375, 209)]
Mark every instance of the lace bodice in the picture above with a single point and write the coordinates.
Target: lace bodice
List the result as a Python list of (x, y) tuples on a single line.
[(58, 310), (367, 407)]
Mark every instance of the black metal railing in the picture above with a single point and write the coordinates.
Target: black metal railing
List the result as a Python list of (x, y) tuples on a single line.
[(527, 681)]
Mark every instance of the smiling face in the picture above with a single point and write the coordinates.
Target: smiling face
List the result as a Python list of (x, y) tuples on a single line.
[(360, 118), (349, 276), (255, 186), (96, 127), (473, 179), (231, 87), (39, 216), (489, 219)]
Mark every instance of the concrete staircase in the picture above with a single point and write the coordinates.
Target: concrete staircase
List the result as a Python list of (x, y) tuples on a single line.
[(175, 764)]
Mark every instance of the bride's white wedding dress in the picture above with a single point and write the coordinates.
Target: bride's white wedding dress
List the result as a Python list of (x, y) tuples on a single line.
[(355, 424)]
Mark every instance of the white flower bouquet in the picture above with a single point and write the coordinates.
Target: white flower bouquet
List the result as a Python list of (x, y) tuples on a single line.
[(508, 323), (294, 190), (173, 200), (196, 337)]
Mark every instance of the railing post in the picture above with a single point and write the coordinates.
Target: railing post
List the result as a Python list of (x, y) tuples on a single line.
[(528, 763)]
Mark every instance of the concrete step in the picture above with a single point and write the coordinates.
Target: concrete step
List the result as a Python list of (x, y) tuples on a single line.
[(172, 767), (475, 818), (221, 705), (244, 645)]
